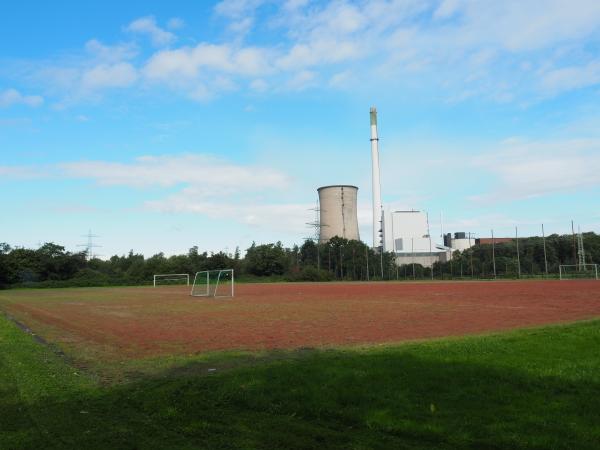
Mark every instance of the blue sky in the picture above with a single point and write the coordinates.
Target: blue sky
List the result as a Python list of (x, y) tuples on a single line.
[(163, 125)]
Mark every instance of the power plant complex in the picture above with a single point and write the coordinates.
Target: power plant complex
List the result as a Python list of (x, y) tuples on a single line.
[(405, 233)]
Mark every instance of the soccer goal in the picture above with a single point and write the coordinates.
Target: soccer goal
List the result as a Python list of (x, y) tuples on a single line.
[(172, 278), (578, 271), (213, 283)]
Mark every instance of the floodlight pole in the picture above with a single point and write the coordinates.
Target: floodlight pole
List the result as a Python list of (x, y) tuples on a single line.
[(341, 264), (412, 250), (574, 245), (430, 253), (580, 248), (381, 260), (545, 257), (471, 254), (367, 257), (518, 257), (494, 254)]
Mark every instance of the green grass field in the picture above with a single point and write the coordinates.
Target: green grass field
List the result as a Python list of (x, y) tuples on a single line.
[(535, 388)]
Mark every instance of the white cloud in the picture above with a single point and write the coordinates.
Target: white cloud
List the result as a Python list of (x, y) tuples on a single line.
[(203, 71), (205, 185), (75, 78), (292, 5), (528, 169), (573, 77), (187, 62), (147, 25), (11, 97), (200, 93), (21, 172), (242, 26), (447, 8), (341, 79), (288, 217), (320, 52), (175, 23), (121, 74), (110, 54), (259, 85), (240, 14), (503, 51), (237, 8), (206, 174), (516, 25), (301, 80)]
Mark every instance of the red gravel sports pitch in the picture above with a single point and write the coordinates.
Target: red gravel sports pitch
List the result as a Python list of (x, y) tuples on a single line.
[(145, 321)]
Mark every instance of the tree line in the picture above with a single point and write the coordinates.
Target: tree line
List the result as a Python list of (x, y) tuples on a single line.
[(339, 259), (51, 265), (527, 257)]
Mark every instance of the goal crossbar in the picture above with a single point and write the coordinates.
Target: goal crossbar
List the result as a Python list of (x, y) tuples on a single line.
[(571, 271), (172, 277), (213, 283)]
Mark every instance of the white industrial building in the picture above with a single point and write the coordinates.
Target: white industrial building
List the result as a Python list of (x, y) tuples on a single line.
[(461, 241), (407, 235)]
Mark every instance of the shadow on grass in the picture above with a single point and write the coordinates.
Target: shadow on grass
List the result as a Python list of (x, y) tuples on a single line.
[(384, 398)]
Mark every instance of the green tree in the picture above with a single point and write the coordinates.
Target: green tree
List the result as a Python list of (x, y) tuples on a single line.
[(266, 259)]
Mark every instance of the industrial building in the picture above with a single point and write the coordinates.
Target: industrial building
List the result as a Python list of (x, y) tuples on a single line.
[(461, 241), (405, 233)]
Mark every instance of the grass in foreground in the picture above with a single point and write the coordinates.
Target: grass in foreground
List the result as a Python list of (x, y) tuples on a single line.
[(527, 389)]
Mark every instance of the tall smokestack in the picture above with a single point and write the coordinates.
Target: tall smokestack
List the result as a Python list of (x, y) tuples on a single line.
[(377, 210)]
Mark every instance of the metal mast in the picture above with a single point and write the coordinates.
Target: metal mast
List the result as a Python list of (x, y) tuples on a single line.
[(518, 256), (377, 208), (545, 255), (316, 226), (494, 253), (580, 250), (89, 246)]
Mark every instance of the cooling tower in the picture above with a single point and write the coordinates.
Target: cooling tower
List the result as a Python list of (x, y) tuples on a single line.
[(338, 215)]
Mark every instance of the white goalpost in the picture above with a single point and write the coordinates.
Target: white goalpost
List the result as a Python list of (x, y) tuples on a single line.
[(172, 277), (578, 271), (213, 283)]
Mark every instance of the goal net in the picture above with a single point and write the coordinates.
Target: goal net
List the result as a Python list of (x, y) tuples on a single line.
[(578, 271), (213, 283), (171, 278)]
